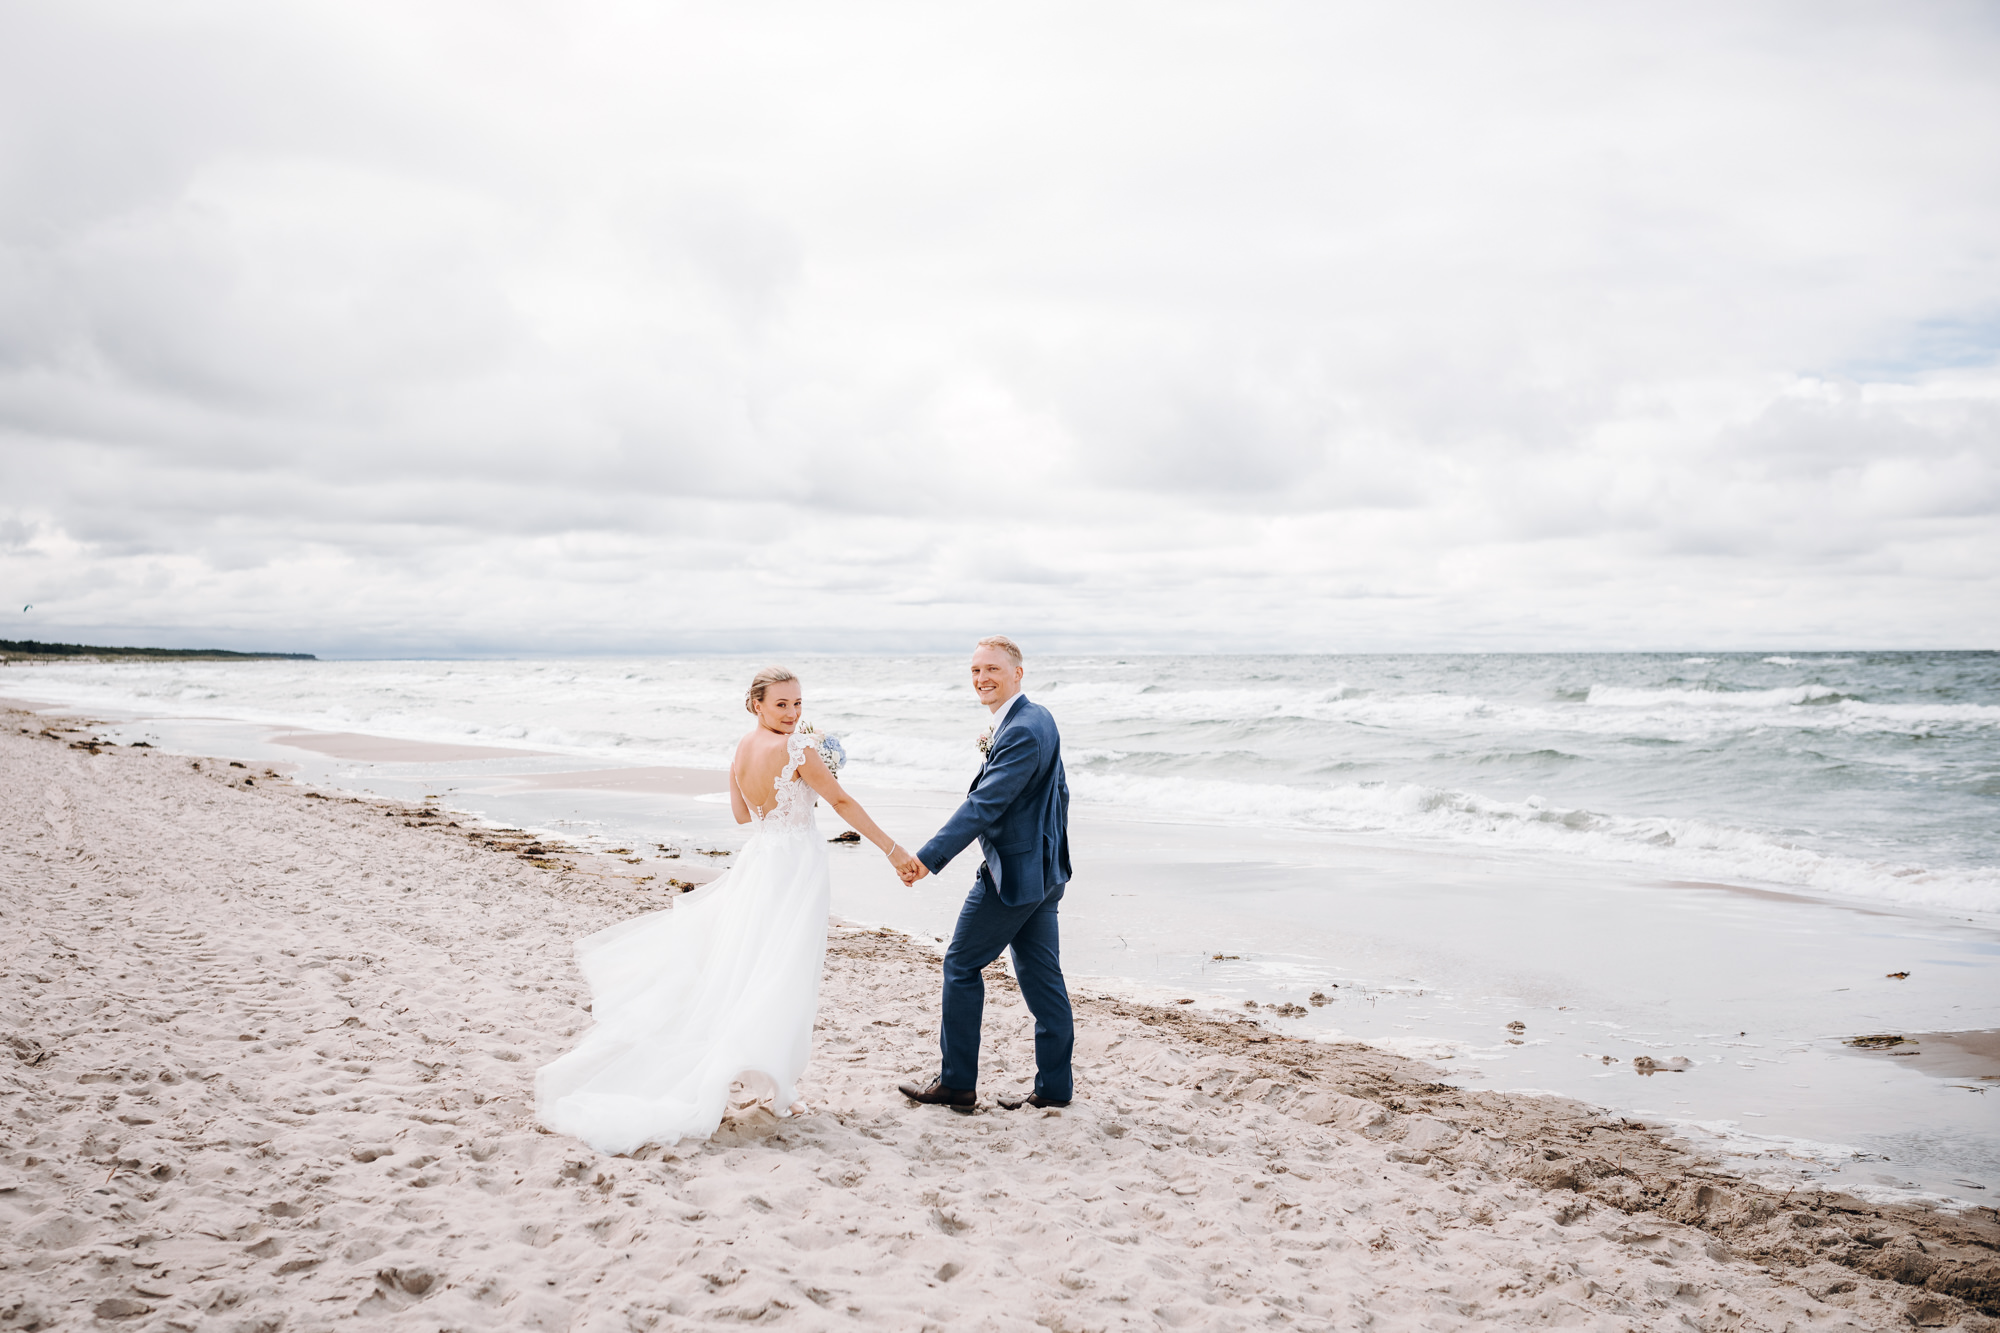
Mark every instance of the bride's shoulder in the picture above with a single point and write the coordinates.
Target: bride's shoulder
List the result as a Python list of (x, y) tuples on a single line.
[(796, 747), (754, 745)]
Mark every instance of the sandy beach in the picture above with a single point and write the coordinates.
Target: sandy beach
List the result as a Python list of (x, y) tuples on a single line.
[(269, 1056)]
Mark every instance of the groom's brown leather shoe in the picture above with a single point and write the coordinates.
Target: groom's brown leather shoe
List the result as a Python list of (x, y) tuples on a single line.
[(962, 1100), (1019, 1100)]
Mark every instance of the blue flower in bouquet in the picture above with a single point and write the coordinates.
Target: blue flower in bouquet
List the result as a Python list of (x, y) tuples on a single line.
[(831, 752)]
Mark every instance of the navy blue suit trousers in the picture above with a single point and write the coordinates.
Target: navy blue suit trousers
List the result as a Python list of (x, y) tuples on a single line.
[(986, 926)]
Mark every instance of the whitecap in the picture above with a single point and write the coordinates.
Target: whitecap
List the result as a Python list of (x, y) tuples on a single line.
[(1783, 696), (1689, 848)]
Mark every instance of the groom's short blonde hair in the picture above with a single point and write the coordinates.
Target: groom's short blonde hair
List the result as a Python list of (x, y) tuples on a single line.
[(1001, 643)]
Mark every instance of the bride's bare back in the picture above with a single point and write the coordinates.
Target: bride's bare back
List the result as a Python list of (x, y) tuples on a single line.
[(760, 757)]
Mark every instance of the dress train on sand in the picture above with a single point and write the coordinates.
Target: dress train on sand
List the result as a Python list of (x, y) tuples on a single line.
[(686, 1001)]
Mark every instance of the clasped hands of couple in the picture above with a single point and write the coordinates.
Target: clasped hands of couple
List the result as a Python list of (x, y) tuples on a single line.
[(907, 865)]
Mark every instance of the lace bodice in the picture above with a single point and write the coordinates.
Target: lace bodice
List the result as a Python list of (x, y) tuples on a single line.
[(794, 802)]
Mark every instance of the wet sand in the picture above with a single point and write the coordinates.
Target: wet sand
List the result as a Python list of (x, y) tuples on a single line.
[(270, 1062), (355, 746), (358, 747), (656, 781), (1973, 1056)]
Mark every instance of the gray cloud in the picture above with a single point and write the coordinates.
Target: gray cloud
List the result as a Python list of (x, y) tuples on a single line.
[(462, 329)]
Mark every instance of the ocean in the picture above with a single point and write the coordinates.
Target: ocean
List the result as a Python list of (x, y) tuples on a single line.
[(1868, 776)]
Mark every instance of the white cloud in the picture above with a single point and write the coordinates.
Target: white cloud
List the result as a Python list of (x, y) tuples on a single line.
[(475, 328)]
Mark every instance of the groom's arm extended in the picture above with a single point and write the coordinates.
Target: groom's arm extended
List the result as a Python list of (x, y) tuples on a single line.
[(1009, 770)]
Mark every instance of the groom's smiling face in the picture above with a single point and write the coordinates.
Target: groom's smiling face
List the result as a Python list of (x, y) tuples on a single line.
[(995, 678)]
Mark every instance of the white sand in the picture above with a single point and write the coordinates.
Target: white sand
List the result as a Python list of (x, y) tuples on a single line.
[(269, 1063)]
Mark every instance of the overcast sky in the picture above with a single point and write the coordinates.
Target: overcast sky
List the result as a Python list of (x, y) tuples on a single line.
[(492, 327)]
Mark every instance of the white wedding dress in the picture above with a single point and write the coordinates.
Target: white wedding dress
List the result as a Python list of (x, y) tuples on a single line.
[(723, 983)]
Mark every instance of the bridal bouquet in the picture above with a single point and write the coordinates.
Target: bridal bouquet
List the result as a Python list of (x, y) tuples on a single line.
[(831, 751)]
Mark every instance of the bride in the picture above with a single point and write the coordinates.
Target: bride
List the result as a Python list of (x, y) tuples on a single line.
[(725, 982)]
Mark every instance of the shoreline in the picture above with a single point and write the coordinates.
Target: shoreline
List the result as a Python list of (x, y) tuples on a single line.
[(1729, 1025), (341, 1156)]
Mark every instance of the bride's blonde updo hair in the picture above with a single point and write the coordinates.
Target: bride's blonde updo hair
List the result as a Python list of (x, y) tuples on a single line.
[(762, 681)]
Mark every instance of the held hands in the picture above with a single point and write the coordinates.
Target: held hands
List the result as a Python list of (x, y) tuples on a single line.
[(907, 866)]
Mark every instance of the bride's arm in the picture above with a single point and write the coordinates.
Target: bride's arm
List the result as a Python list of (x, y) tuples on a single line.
[(813, 769)]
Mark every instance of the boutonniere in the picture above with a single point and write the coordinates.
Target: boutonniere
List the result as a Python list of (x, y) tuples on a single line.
[(986, 741)]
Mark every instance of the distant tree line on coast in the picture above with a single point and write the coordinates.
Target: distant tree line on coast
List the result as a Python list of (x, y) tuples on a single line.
[(12, 648)]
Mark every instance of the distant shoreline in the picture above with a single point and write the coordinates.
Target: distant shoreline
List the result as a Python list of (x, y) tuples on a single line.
[(29, 650)]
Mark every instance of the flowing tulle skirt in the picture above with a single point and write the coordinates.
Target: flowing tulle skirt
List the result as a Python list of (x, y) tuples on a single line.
[(688, 1000)]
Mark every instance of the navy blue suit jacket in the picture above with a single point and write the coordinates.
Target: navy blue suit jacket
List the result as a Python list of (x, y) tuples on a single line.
[(1018, 808)]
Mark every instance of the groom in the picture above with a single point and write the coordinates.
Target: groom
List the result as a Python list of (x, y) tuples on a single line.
[(1018, 808)]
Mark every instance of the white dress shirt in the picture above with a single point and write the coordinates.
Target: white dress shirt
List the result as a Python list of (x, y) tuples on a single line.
[(1000, 713)]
